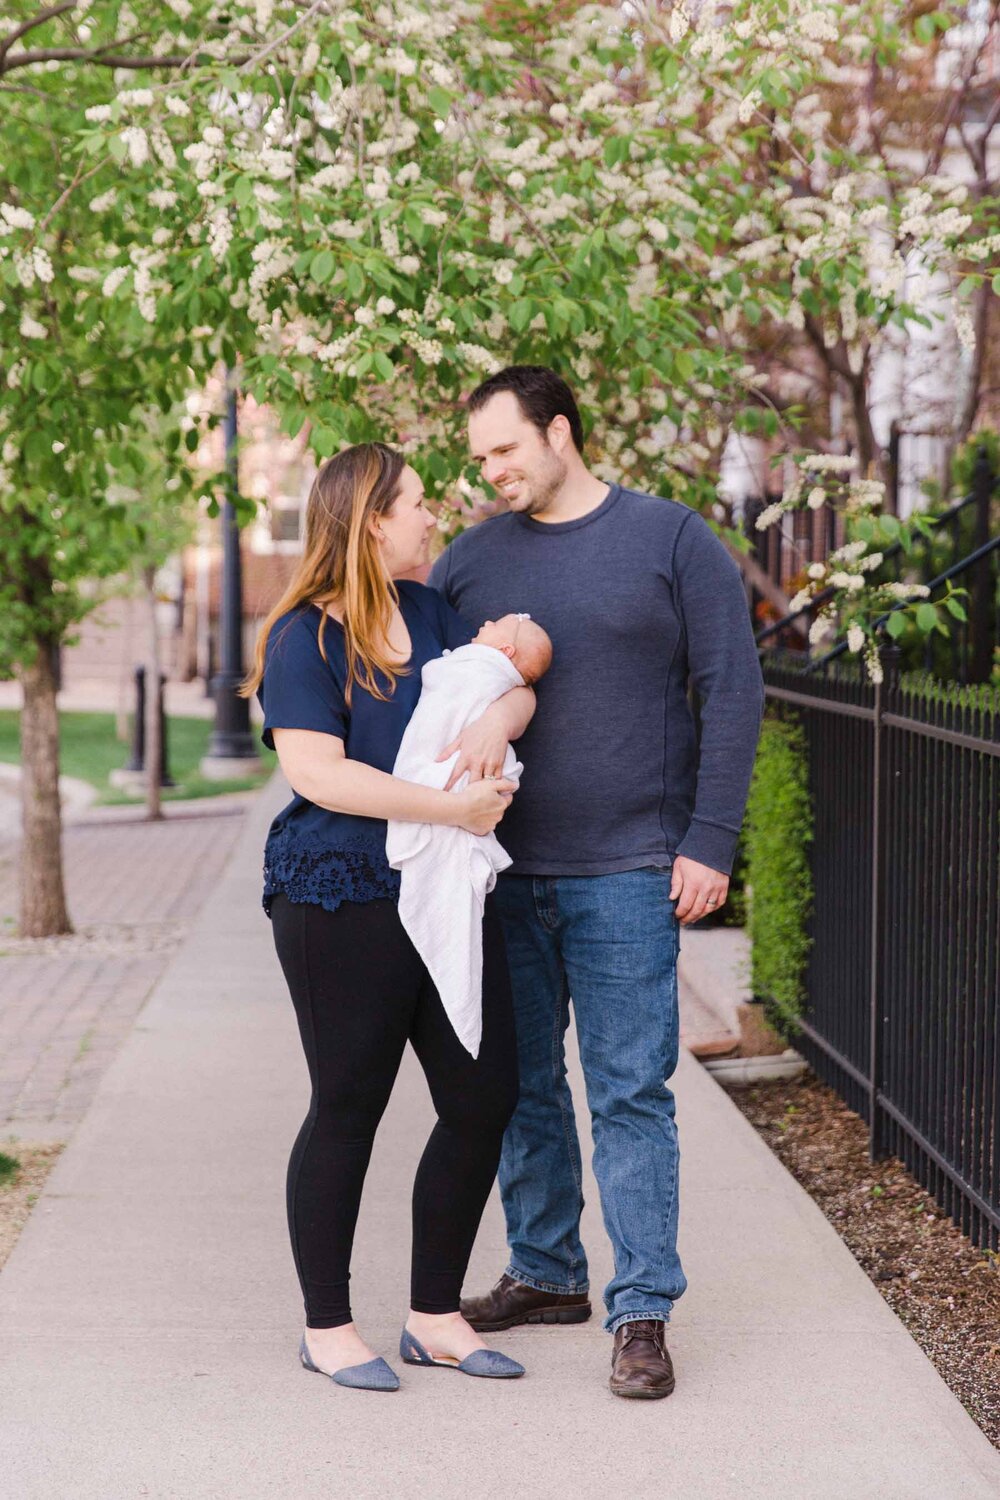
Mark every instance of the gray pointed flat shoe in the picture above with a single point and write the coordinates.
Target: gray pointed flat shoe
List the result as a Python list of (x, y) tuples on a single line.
[(489, 1363), (374, 1375)]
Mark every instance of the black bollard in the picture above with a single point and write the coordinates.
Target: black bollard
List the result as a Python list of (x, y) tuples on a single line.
[(137, 760)]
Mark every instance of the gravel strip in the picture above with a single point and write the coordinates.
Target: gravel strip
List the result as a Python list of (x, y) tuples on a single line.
[(946, 1292)]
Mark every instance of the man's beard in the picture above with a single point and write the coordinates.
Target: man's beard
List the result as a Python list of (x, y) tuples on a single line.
[(542, 489)]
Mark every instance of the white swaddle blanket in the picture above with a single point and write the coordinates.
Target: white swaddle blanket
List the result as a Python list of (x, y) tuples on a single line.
[(446, 873)]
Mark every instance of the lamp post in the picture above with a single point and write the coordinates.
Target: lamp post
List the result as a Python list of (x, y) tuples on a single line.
[(231, 750)]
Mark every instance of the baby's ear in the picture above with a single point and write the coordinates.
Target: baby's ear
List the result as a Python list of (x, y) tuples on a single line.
[(508, 651)]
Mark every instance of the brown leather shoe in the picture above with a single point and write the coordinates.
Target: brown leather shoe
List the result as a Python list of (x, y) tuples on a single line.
[(511, 1302), (640, 1364)]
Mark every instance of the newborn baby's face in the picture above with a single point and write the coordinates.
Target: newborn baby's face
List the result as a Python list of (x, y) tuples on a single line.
[(499, 633)]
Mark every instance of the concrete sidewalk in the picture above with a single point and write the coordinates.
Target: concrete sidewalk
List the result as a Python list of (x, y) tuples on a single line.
[(150, 1314)]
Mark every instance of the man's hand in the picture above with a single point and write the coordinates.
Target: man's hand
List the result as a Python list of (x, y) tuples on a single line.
[(697, 889), (482, 747)]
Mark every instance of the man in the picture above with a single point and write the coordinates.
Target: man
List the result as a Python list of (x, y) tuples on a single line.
[(623, 827)]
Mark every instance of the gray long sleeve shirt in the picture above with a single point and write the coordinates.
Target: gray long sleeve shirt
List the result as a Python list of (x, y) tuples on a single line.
[(638, 596)]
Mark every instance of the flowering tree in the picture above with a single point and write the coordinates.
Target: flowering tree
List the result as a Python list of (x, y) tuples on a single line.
[(372, 205)]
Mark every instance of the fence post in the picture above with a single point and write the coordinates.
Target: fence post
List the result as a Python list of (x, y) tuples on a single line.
[(981, 664), (889, 657)]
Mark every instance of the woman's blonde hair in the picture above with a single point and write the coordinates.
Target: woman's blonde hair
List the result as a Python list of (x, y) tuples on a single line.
[(340, 562)]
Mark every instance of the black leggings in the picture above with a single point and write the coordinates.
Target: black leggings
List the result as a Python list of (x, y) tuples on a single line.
[(360, 993)]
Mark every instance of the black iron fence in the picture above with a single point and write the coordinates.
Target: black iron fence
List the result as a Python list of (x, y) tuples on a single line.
[(903, 982)]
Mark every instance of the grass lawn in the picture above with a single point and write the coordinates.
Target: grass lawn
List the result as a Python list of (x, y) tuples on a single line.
[(89, 751)]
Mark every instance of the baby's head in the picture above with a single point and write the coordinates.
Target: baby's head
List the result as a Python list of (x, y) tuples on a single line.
[(519, 638)]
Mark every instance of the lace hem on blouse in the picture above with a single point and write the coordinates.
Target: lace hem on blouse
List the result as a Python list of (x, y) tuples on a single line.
[(356, 871)]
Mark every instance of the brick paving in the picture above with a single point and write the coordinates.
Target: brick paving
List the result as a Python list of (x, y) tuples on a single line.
[(66, 1004)]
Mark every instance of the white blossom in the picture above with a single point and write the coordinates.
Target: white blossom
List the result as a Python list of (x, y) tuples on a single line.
[(114, 279), (220, 234), (829, 463), (816, 498), (906, 590), (821, 628), (137, 141), (32, 329), (769, 515), (24, 266), (679, 24), (479, 358), (339, 175), (17, 218)]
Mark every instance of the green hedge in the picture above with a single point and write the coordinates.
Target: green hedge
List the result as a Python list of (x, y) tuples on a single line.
[(777, 834)]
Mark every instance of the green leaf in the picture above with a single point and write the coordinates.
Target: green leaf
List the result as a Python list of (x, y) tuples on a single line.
[(521, 314), (954, 607), (383, 365), (926, 617), (684, 364), (323, 440), (322, 266), (896, 624), (440, 101), (355, 281)]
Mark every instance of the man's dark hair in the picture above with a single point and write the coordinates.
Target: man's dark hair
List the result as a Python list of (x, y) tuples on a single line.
[(541, 395)]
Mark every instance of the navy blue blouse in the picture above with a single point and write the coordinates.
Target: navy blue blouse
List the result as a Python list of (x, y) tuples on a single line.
[(313, 855)]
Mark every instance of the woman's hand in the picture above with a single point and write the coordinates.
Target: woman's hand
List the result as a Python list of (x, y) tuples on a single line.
[(479, 808), (481, 748)]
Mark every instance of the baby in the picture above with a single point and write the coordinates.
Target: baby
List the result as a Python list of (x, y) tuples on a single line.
[(521, 641), (446, 873)]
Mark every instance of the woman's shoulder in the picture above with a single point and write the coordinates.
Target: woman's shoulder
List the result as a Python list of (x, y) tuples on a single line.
[(296, 634), (420, 593), (421, 597)]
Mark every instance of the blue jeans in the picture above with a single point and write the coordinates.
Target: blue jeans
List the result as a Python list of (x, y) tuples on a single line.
[(610, 942)]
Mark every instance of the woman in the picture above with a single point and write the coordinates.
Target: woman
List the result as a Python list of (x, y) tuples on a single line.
[(338, 669)]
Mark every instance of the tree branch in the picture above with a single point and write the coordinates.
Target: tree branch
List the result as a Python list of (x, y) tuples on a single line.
[(81, 54), (32, 22)]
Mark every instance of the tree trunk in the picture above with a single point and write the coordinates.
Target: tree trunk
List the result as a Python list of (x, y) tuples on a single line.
[(869, 457), (154, 737), (43, 895), (973, 394)]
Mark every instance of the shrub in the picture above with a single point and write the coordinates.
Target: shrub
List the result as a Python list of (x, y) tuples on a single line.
[(777, 834)]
